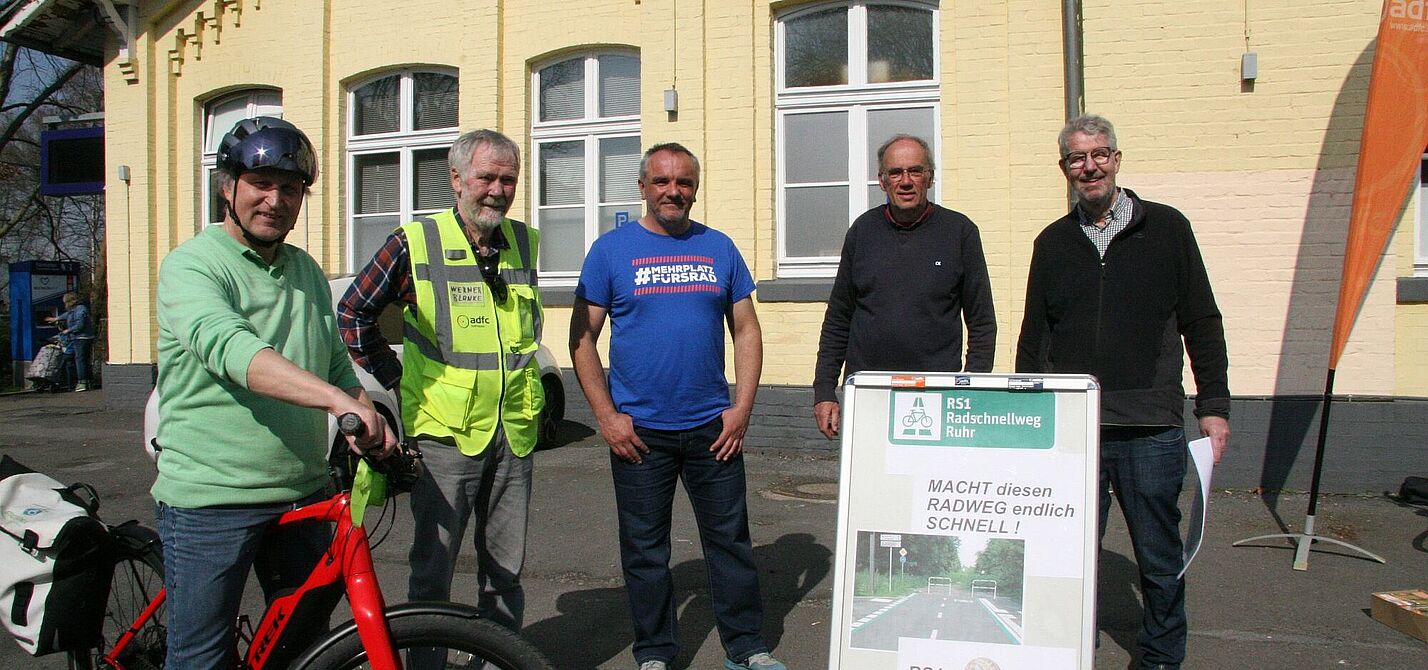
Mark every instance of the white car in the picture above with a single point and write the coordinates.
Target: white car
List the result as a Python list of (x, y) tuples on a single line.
[(390, 323)]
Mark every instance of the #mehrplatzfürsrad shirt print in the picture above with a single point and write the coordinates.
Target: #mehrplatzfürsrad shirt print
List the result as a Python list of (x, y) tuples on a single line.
[(675, 274)]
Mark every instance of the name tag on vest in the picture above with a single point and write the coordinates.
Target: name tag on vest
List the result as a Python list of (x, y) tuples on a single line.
[(466, 293)]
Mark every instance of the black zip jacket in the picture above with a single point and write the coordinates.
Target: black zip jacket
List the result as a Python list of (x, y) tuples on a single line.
[(1122, 319)]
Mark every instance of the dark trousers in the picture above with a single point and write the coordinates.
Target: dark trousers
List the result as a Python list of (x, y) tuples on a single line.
[(644, 494), (1146, 468)]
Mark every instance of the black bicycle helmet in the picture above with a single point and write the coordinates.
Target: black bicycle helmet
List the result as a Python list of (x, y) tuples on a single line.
[(267, 142)]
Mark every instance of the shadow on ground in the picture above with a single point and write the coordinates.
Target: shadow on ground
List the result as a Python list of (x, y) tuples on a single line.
[(788, 569)]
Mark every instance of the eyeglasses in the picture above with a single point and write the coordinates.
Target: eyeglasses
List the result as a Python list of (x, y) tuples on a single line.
[(915, 173), (491, 272), (1099, 156)]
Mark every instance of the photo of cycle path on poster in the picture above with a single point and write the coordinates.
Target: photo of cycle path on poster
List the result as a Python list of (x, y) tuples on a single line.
[(936, 587)]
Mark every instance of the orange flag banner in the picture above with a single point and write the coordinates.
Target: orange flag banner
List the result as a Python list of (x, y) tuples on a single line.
[(1394, 137)]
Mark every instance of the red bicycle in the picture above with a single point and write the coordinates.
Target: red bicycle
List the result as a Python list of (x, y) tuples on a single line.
[(378, 636)]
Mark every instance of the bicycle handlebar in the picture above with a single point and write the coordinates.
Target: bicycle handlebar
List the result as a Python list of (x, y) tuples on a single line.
[(351, 424), (400, 467)]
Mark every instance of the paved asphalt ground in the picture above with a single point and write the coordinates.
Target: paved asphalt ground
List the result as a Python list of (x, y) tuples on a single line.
[(1248, 609)]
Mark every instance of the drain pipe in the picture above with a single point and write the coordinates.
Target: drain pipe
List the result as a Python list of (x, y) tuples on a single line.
[(1075, 81)]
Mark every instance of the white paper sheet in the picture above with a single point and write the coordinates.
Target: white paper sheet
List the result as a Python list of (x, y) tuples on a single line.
[(1203, 456)]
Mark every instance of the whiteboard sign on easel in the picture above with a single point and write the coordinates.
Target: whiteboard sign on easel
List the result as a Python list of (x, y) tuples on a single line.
[(966, 522)]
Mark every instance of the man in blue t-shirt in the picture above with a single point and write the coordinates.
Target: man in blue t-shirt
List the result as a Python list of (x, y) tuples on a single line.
[(668, 285)]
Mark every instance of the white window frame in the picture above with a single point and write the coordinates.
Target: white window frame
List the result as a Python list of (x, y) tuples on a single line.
[(1420, 241), (257, 102), (590, 129), (404, 141), (856, 98)]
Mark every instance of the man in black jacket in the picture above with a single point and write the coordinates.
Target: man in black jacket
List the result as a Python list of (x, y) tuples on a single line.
[(911, 272), (1115, 286)]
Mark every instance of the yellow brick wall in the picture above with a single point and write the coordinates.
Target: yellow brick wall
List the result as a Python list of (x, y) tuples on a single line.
[(1263, 171)]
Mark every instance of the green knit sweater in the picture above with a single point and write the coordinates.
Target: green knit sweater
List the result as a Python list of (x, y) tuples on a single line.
[(219, 304)]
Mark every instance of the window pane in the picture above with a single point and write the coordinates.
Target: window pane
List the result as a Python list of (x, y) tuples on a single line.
[(562, 239), (899, 44), (368, 234), (619, 169), (221, 117), (884, 123), (817, 220), (816, 49), (435, 101), (216, 208), (609, 214), (877, 197), (562, 173), (816, 147), (431, 180), (378, 108), (1423, 212), (562, 90), (619, 86), (378, 183)]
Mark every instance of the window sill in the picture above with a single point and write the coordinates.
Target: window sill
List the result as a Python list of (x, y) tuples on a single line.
[(557, 296), (813, 289), (1412, 290)]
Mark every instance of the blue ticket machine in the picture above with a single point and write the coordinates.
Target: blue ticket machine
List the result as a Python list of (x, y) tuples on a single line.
[(37, 291)]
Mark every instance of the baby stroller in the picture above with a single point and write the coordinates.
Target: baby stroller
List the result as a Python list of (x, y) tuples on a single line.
[(46, 371)]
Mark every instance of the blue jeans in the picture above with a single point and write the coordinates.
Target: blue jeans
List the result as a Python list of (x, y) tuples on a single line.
[(644, 496), (207, 554), (1146, 468), (81, 358)]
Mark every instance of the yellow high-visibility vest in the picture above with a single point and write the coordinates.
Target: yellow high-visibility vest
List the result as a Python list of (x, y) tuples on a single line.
[(468, 353)]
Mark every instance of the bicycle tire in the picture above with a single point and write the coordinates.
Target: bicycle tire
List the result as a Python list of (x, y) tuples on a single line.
[(469, 641), (138, 576)]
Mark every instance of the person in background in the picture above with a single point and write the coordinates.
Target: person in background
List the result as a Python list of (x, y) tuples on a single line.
[(77, 339)]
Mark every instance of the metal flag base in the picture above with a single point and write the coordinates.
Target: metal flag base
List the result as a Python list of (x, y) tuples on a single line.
[(1304, 542)]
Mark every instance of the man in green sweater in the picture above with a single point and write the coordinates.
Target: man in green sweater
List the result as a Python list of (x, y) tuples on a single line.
[(250, 365)]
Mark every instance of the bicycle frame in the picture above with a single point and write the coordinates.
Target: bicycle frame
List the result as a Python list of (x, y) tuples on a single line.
[(348, 562)]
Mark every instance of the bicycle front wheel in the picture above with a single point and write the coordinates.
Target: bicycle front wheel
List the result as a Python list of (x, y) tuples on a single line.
[(437, 640)]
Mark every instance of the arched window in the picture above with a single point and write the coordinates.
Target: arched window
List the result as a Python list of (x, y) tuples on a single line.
[(399, 128), (849, 76), (585, 137), (219, 118)]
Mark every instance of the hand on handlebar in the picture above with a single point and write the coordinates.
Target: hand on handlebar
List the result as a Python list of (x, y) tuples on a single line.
[(367, 432)]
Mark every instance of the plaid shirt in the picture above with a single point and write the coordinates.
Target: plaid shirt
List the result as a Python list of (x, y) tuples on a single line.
[(1117, 219), (386, 278)]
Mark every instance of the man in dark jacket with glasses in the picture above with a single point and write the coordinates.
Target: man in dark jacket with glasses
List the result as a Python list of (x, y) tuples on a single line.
[(1118, 289)]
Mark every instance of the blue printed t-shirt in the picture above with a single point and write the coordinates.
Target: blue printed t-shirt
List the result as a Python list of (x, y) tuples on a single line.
[(666, 297)]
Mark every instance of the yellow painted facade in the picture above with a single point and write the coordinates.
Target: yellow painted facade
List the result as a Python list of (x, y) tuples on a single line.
[(1263, 170)]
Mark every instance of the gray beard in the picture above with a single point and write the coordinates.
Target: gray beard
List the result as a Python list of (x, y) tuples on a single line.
[(487, 224)]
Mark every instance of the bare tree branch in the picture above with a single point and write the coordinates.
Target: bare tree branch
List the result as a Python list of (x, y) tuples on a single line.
[(25, 212), (40, 100)]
